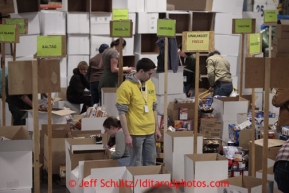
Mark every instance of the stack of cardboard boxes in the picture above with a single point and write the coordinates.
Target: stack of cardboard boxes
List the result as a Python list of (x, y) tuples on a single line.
[(281, 40)]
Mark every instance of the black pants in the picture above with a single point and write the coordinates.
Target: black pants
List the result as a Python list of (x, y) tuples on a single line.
[(281, 175), (86, 100), (17, 115)]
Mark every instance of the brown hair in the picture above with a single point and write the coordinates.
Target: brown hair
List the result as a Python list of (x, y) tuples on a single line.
[(111, 121), (82, 64)]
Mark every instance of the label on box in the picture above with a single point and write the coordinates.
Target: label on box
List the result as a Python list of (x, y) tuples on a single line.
[(183, 112), (20, 21), (121, 28), (243, 26), (255, 43)]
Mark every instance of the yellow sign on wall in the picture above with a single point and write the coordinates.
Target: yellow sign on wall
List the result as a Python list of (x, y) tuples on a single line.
[(198, 41)]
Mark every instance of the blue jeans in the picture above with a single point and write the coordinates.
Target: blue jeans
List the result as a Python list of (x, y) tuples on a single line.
[(143, 151), (223, 89), (281, 175), (124, 161), (94, 92)]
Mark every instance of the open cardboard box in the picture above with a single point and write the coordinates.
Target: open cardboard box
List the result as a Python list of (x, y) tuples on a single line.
[(15, 156), (80, 150), (244, 184), (81, 174), (273, 147), (177, 144), (108, 97), (83, 134), (174, 110), (59, 127), (205, 167), (230, 105), (58, 117), (57, 149), (93, 123)]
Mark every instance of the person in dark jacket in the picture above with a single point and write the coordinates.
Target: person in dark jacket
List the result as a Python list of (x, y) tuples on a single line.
[(94, 73), (189, 61), (78, 82)]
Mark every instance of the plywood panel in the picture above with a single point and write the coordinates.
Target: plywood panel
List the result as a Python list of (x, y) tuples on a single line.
[(20, 76), (255, 72)]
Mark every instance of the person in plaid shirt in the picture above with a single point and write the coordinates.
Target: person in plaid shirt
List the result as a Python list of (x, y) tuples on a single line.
[(281, 168)]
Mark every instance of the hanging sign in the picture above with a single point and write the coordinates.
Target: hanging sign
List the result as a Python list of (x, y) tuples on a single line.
[(9, 33), (23, 24), (243, 26), (121, 28), (198, 41), (166, 28), (120, 14), (254, 44), (51, 46), (271, 16)]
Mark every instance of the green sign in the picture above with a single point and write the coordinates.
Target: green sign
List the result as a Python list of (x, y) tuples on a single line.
[(48, 46), (270, 16), (7, 33), (255, 44), (14, 21), (121, 29), (120, 14), (166, 28), (243, 26)]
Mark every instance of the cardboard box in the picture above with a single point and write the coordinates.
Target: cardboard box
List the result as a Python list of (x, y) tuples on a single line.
[(15, 156), (175, 82), (273, 147), (228, 44), (175, 150), (147, 23), (100, 23), (78, 45), (152, 56), (244, 184), (58, 117), (96, 41), (131, 5), (43, 131), (280, 45), (192, 5), (279, 55), (26, 46), (83, 134), (183, 125), (170, 98), (282, 29), (173, 110), (159, 6), (230, 105), (80, 150), (108, 95), (57, 149), (80, 173), (198, 167), (52, 22), (223, 22), (77, 23), (33, 22), (93, 123), (234, 63), (228, 6), (270, 176), (211, 127), (22, 190)]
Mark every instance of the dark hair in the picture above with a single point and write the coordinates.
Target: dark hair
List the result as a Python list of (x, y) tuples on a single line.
[(111, 121), (146, 64), (213, 53), (116, 43)]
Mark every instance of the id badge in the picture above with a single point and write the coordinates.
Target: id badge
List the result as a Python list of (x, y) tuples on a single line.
[(146, 109), (185, 79)]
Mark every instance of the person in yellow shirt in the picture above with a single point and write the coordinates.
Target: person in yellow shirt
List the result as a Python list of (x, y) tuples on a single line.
[(136, 103)]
